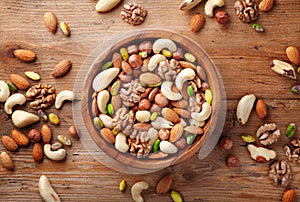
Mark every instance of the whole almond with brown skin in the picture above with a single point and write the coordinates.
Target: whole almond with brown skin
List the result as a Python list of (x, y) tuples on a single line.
[(126, 68), (289, 196), (293, 54), (24, 55), (46, 133), (50, 21), (117, 60), (182, 113), (176, 133), (170, 115), (261, 109), (20, 138), (62, 68), (108, 135), (197, 22), (37, 152), (266, 5), (9, 143), (164, 184), (19, 81), (142, 126), (6, 161)]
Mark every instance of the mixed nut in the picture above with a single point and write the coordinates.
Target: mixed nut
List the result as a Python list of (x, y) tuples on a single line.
[(139, 107)]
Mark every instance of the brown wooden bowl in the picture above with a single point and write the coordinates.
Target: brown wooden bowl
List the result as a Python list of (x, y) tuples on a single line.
[(213, 79)]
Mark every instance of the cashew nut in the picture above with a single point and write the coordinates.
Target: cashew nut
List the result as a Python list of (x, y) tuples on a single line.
[(162, 43), (120, 143), (4, 91), (160, 123), (183, 76), (153, 135), (154, 60), (204, 114), (136, 190), (210, 5), (188, 4), (168, 93), (57, 155), (14, 99), (63, 96), (106, 120), (193, 122), (102, 100), (104, 78), (47, 192), (21, 118)]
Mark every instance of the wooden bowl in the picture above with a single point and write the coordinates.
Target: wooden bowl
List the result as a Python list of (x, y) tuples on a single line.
[(214, 81)]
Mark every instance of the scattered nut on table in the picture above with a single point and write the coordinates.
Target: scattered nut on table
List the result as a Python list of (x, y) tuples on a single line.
[(280, 173)]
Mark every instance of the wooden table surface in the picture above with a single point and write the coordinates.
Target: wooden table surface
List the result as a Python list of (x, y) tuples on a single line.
[(241, 55)]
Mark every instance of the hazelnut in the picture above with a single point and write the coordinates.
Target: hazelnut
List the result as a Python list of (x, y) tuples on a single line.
[(124, 77), (133, 49), (155, 108), (73, 132), (232, 162), (204, 86), (161, 100), (146, 46), (222, 17), (144, 104), (34, 135), (146, 93), (164, 134), (135, 61), (181, 143), (136, 73), (226, 143), (178, 54)]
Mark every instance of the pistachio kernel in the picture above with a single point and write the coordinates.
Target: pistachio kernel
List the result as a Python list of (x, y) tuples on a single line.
[(190, 91), (124, 54), (290, 131), (115, 88), (176, 196), (208, 96), (298, 70), (64, 140), (12, 87), (143, 54), (32, 75), (189, 57), (153, 116), (258, 27), (295, 89), (167, 53), (190, 139), (247, 138), (98, 123), (156, 145), (122, 185), (110, 109), (53, 118), (106, 65)]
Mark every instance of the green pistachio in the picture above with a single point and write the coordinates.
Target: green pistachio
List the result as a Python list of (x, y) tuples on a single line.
[(295, 89), (247, 138), (98, 123), (12, 87), (110, 109), (124, 54), (208, 96), (115, 88), (298, 70), (106, 65), (64, 140), (167, 53), (156, 145), (190, 91), (153, 116), (258, 27), (189, 57), (143, 54), (176, 196), (290, 131), (190, 139)]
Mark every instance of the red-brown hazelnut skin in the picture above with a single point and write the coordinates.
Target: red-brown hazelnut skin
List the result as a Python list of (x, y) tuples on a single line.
[(222, 17)]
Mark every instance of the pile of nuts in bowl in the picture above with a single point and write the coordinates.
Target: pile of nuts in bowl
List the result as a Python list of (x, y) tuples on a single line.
[(151, 98)]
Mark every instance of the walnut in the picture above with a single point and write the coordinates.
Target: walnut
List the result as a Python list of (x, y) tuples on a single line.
[(247, 10), (43, 95), (292, 151), (123, 121), (139, 143), (134, 14), (168, 70), (195, 102), (131, 91), (280, 173), (268, 134)]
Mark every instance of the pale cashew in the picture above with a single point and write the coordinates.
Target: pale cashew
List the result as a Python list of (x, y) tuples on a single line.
[(204, 114), (142, 116), (210, 5), (153, 135), (183, 76), (188, 4), (4, 91), (168, 93), (14, 99), (154, 60), (160, 123), (136, 190), (21, 118), (244, 108), (120, 143), (194, 122), (63, 96), (106, 120), (160, 44), (104, 78), (102, 100), (57, 155), (47, 192)]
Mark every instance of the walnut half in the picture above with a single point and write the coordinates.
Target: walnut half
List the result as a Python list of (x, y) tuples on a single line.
[(280, 173), (268, 134)]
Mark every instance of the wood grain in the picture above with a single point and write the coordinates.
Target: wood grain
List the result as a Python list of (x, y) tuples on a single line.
[(241, 55)]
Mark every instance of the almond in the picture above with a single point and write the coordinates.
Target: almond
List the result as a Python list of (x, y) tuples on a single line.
[(126, 68), (6, 161), (46, 133), (116, 101), (19, 81), (261, 109), (24, 55), (196, 130), (183, 113), (142, 126), (176, 133), (289, 196), (50, 21), (293, 54), (180, 104), (108, 135), (9, 143), (164, 184), (170, 115), (197, 22), (37, 152), (62, 68), (266, 5), (117, 60), (20, 138), (150, 78)]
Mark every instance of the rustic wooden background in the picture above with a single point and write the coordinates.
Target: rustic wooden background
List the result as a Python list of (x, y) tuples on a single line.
[(241, 54)]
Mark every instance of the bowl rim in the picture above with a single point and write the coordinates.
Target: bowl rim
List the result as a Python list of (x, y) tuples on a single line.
[(127, 159)]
